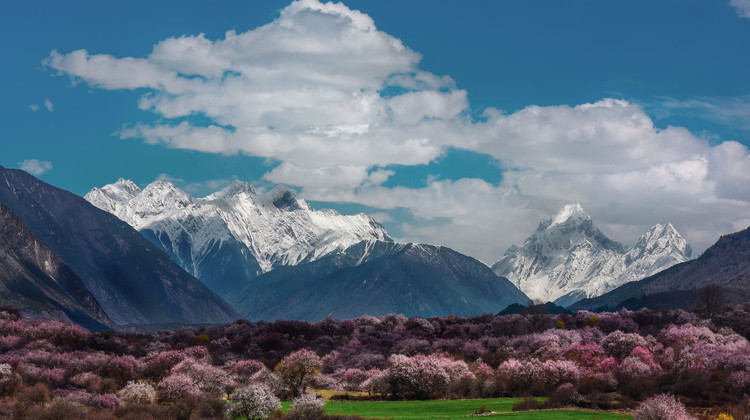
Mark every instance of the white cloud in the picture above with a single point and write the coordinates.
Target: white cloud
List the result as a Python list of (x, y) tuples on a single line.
[(731, 111), (34, 107), (35, 166), (381, 217), (742, 7), (314, 90), (303, 89), (49, 105)]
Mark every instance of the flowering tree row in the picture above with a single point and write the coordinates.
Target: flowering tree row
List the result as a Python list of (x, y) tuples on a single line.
[(603, 360)]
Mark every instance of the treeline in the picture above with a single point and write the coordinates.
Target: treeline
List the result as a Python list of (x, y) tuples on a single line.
[(593, 360)]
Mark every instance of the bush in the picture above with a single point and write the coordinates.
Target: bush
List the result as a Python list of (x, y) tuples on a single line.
[(178, 387), (308, 405), (661, 407), (138, 393), (59, 409), (10, 381), (562, 396), (253, 402), (527, 404), (482, 410)]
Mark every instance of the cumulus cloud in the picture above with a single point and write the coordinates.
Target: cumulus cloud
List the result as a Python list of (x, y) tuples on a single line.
[(742, 7), (35, 166), (34, 107), (304, 89), (608, 155), (336, 102), (49, 105)]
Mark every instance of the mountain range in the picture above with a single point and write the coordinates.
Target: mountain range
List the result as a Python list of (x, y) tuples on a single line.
[(132, 281), (235, 234), (126, 257), (271, 255), (726, 263), (568, 258)]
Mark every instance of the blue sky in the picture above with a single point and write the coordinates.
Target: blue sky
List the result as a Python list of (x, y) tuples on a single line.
[(454, 123)]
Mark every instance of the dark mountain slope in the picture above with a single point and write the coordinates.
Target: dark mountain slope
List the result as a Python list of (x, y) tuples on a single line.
[(34, 279), (411, 279), (132, 279)]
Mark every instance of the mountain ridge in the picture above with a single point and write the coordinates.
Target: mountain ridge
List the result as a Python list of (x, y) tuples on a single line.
[(725, 263), (133, 280), (263, 231), (568, 258), (290, 253), (378, 278)]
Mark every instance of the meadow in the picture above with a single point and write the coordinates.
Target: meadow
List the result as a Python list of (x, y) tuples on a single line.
[(456, 409)]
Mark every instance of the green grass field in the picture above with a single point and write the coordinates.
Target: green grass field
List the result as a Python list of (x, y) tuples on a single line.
[(455, 409)]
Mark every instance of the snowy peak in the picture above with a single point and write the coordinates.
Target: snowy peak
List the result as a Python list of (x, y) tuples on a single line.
[(113, 197), (237, 187), (284, 198), (663, 237), (274, 228), (570, 229), (568, 258), (571, 213), (662, 240), (123, 187)]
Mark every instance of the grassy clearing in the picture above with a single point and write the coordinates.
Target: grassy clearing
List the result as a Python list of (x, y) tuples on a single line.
[(455, 410)]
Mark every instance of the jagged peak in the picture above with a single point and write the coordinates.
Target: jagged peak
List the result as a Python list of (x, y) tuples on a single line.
[(283, 198), (120, 190), (237, 187), (659, 230), (668, 235), (280, 190), (162, 188), (125, 182), (572, 211)]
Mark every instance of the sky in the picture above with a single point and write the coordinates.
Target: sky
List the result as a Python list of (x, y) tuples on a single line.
[(461, 124)]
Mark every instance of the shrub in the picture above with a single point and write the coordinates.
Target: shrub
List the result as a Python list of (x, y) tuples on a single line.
[(159, 365), (138, 393), (422, 377), (253, 402), (527, 404), (59, 409), (562, 396), (10, 381), (245, 370), (482, 410), (661, 407), (178, 387), (107, 401), (308, 404), (620, 344), (209, 379)]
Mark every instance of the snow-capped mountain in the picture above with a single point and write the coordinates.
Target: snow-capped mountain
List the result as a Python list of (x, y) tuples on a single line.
[(568, 258), (235, 234), (725, 263)]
